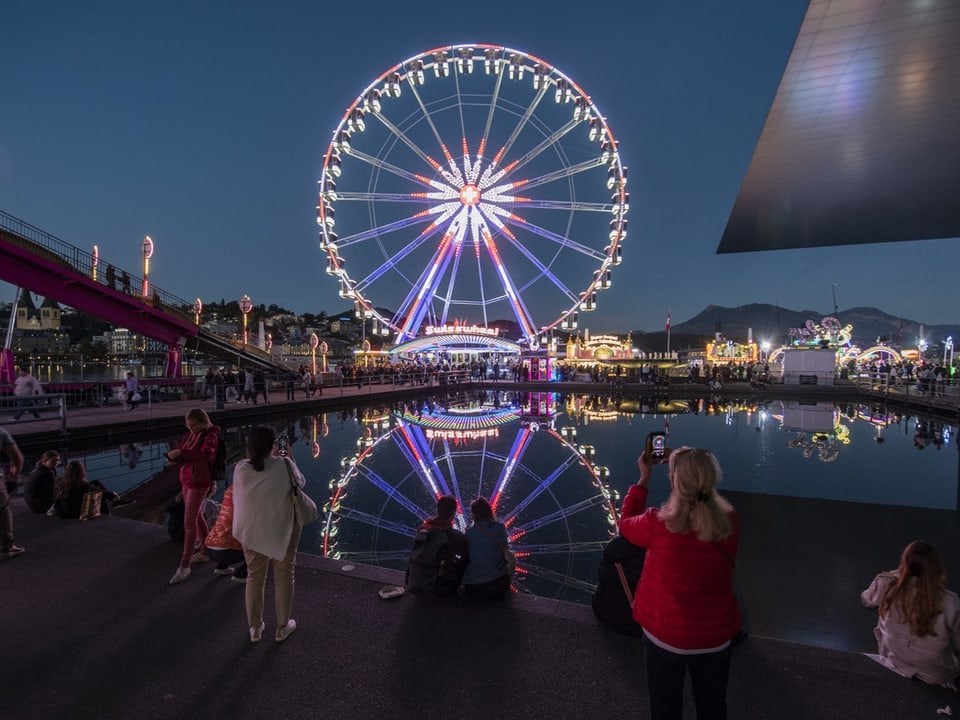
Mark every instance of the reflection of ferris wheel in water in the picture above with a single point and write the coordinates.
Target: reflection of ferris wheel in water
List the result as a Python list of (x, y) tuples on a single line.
[(470, 184), (556, 504)]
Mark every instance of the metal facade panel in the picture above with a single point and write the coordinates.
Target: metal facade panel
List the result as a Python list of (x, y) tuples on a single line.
[(861, 144)]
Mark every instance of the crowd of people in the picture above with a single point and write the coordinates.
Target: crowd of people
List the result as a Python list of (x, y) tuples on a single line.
[(668, 576)]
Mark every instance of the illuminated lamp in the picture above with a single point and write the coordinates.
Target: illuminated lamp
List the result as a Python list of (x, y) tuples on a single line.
[(329, 215), (342, 141)]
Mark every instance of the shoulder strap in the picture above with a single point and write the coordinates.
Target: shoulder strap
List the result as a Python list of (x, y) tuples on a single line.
[(733, 565), (293, 483), (623, 582), (490, 535)]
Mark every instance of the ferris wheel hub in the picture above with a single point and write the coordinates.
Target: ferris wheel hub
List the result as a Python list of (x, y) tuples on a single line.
[(470, 194)]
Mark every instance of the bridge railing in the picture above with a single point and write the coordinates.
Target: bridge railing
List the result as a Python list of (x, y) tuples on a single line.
[(39, 406), (53, 249)]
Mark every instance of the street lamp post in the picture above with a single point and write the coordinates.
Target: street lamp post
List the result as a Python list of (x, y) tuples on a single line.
[(314, 344), (948, 348), (324, 349), (94, 263), (197, 309), (147, 254), (246, 305)]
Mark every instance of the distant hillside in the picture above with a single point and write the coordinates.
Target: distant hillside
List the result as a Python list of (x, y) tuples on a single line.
[(772, 323)]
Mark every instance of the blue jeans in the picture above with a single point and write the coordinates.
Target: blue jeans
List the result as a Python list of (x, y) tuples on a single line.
[(666, 672), (23, 405)]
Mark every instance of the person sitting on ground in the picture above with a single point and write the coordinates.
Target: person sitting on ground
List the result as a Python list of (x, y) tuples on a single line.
[(918, 630), (618, 576), (486, 576), (222, 547), (72, 486), (440, 553), (38, 490)]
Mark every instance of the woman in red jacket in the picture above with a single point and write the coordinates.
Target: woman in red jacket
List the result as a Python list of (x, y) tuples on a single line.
[(194, 455), (685, 601)]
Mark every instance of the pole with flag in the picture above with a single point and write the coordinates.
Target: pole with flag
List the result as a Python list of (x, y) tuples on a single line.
[(668, 332)]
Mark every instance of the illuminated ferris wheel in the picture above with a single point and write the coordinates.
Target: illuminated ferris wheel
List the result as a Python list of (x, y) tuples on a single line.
[(470, 184), (556, 503)]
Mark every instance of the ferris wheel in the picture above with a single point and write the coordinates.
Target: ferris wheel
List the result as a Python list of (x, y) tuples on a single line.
[(468, 184)]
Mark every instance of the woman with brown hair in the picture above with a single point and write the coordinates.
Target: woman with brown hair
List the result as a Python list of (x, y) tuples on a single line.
[(266, 526), (72, 486), (486, 576), (918, 631), (684, 601), (195, 453)]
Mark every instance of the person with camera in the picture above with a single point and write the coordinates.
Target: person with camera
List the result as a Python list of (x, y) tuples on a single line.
[(685, 601)]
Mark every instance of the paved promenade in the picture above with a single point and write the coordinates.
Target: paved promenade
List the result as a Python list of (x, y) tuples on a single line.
[(93, 630)]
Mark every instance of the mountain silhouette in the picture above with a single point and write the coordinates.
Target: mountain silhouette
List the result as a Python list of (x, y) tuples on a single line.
[(772, 323)]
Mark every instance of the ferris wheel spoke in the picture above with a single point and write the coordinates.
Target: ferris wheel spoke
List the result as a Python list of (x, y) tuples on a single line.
[(533, 259), (513, 295), (561, 240), (382, 229), (504, 201), (524, 119), (379, 522), (418, 299), (557, 516), (417, 150), (392, 261), (417, 198), (542, 487), (557, 577), (520, 444), (548, 142), (416, 451), (398, 171), (493, 106), (561, 174), (451, 163), (458, 253), (390, 491)]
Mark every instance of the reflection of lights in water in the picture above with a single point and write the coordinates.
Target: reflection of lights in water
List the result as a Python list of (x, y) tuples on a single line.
[(536, 479)]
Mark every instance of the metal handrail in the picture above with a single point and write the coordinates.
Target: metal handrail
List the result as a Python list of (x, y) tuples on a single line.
[(82, 262), (61, 401)]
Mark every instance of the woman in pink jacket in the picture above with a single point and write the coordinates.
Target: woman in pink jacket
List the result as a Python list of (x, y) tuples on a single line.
[(918, 626), (685, 601), (195, 453)]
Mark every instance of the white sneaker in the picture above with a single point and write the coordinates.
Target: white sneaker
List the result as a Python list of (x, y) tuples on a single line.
[(180, 575), (287, 630), (257, 632), (223, 571), (199, 558)]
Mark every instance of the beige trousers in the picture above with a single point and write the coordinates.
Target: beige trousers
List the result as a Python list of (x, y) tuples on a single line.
[(257, 565)]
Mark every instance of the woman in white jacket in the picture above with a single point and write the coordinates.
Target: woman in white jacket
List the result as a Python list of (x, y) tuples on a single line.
[(264, 523), (918, 632)]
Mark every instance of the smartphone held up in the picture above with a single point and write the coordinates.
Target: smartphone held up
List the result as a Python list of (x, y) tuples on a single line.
[(655, 450)]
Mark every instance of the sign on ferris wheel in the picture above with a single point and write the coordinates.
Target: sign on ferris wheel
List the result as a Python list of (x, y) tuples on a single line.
[(473, 183)]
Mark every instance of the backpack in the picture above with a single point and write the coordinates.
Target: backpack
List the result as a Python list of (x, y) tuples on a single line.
[(429, 570), (612, 604), (218, 468)]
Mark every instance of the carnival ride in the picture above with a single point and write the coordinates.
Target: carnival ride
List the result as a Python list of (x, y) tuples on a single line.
[(830, 334), (471, 183), (538, 480)]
